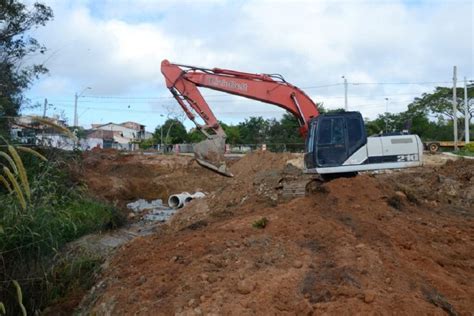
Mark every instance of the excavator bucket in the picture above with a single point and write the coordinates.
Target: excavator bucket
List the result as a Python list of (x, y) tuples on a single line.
[(210, 154)]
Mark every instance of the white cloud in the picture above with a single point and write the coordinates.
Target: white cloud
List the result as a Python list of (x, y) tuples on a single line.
[(116, 47)]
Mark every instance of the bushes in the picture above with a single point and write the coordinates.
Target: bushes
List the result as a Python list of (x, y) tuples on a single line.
[(31, 233), (469, 147)]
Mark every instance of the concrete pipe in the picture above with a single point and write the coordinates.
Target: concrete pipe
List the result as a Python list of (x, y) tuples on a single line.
[(181, 199)]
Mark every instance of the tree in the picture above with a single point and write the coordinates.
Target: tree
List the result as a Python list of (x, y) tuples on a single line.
[(232, 132), (173, 132), (195, 136), (254, 130), (15, 46), (439, 103), (285, 131)]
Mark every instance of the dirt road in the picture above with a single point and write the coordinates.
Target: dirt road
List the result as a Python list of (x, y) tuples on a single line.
[(399, 242)]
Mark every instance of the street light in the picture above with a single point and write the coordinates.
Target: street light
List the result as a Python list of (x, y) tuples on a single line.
[(76, 97)]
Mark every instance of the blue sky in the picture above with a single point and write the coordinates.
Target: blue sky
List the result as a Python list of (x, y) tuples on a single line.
[(116, 46)]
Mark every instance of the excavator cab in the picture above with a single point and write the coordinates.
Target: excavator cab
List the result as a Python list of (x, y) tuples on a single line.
[(337, 143), (333, 138)]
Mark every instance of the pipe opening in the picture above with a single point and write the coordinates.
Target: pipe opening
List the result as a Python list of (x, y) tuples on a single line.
[(174, 201)]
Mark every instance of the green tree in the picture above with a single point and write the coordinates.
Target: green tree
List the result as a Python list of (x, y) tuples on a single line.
[(173, 132), (285, 131), (16, 75), (439, 104), (254, 130), (232, 132), (195, 136)]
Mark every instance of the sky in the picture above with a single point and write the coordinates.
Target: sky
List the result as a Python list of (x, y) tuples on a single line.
[(390, 52)]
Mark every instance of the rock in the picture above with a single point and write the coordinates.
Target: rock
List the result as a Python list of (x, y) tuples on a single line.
[(358, 246), (304, 308), (245, 286), (369, 297), (131, 215), (401, 194), (192, 303), (204, 276), (388, 280), (297, 264)]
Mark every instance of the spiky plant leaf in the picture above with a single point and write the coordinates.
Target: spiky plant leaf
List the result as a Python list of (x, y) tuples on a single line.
[(10, 161), (20, 297), (16, 187), (21, 171), (6, 184), (32, 151), (2, 309)]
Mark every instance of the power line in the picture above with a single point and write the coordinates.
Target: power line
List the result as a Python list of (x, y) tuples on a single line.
[(130, 110), (396, 83), (228, 101), (224, 95)]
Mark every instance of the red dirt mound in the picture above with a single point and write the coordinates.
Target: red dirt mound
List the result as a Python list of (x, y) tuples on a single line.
[(354, 245)]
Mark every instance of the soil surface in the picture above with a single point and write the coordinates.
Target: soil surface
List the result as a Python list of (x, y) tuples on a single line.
[(391, 242)]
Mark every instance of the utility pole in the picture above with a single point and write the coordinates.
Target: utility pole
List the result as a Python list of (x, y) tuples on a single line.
[(76, 97), (467, 116), (44, 108), (75, 109), (346, 107), (161, 139), (455, 115), (386, 115)]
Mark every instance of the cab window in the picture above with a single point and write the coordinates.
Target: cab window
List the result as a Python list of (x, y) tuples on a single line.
[(331, 131)]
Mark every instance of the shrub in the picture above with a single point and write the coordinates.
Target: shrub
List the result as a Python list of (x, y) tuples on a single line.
[(261, 223), (469, 147), (40, 213)]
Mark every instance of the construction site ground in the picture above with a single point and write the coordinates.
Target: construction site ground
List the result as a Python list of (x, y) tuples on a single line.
[(397, 242)]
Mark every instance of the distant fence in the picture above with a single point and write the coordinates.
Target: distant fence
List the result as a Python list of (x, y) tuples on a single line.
[(243, 148), (65, 143)]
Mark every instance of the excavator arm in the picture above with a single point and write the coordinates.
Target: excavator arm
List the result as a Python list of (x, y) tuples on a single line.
[(183, 81)]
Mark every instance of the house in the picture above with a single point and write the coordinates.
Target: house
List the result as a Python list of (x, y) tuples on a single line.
[(27, 130), (125, 135)]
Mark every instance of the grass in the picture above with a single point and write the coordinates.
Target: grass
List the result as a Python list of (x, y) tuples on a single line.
[(261, 223), (41, 210), (464, 152)]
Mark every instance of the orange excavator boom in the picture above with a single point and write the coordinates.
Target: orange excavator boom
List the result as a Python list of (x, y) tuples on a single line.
[(183, 81)]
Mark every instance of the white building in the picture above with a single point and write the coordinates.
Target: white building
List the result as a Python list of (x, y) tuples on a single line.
[(125, 135)]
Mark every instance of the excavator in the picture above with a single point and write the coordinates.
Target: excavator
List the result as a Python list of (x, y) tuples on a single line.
[(334, 143)]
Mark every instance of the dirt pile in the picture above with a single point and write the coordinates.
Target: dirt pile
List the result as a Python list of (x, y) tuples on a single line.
[(257, 179), (451, 184), (348, 247)]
